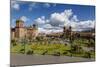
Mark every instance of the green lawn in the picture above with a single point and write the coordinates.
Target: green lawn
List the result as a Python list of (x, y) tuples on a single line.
[(40, 49), (46, 48)]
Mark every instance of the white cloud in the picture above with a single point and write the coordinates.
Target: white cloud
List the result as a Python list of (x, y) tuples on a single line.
[(62, 18), (31, 6), (40, 21), (35, 5), (43, 17), (46, 5), (83, 25), (15, 5), (48, 31), (74, 18), (24, 18), (42, 30), (65, 18), (47, 26), (47, 21), (87, 24)]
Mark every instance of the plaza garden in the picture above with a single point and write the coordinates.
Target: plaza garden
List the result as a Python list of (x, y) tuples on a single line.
[(78, 47)]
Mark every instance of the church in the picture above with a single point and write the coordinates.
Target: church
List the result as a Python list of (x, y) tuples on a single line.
[(22, 32)]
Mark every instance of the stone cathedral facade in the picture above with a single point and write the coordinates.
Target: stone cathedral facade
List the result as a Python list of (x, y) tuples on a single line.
[(22, 32)]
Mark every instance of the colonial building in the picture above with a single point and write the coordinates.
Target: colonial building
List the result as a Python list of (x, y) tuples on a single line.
[(20, 31), (31, 32), (67, 32)]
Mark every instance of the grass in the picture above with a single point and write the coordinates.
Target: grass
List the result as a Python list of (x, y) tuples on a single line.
[(45, 48), (40, 49), (80, 41), (50, 49)]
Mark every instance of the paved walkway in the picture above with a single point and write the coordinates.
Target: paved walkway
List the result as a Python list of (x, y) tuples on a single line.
[(21, 59)]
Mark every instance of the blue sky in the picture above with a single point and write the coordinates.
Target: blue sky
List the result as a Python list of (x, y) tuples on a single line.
[(43, 13)]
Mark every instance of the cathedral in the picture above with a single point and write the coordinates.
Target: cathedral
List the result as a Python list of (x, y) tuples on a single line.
[(22, 32)]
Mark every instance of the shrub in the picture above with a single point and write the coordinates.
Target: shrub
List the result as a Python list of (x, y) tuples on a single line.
[(56, 53), (14, 43), (87, 55), (44, 52), (65, 53), (29, 52), (22, 51)]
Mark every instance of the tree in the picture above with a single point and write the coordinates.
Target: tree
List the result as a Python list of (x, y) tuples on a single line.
[(13, 42)]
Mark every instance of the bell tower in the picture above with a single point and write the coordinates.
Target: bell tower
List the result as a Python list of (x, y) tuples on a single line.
[(19, 23), (19, 29)]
